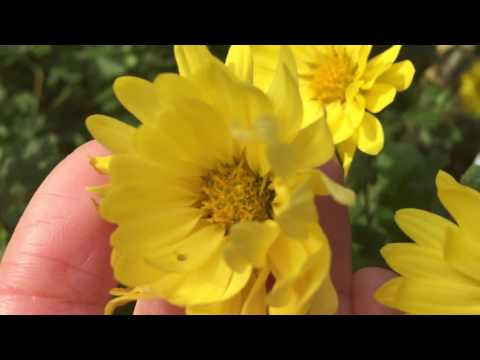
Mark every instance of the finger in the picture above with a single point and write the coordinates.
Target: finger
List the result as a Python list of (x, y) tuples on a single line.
[(365, 283), (58, 260), (333, 218), (156, 307)]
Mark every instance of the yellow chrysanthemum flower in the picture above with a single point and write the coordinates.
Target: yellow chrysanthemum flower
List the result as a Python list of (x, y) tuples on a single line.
[(470, 89), (440, 272), (213, 193), (339, 81)]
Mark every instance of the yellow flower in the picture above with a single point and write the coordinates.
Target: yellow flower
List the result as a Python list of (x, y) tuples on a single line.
[(470, 89), (340, 82), (213, 193), (440, 272)]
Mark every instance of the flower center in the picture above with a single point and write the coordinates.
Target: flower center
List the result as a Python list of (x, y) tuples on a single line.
[(233, 193), (331, 76)]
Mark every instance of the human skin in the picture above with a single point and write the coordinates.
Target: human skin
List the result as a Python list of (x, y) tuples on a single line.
[(58, 259)]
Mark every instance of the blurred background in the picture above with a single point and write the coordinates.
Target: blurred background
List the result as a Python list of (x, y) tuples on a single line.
[(46, 92)]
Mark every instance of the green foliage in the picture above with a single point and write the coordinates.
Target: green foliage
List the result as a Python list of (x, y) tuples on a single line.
[(46, 92), (472, 177), (425, 131), (3, 239)]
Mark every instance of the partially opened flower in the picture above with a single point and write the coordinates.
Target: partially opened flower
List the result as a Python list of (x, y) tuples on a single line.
[(440, 272), (213, 193), (340, 81), (470, 89)]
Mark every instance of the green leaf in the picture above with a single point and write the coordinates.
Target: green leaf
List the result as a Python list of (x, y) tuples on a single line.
[(471, 177), (3, 240)]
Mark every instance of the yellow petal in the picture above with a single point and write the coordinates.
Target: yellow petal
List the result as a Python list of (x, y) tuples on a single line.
[(132, 271), (355, 110), (123, 299), (240, 61), (422, 296), (240, 105), (414, 261), (191, 131), (305, 55), (101, 190), (462, 202), (283, 159), (191, 58), (379, 96), (263, 139), (265, 61), (387, 293), (128, 169), (353, 91), (370, 135), (257, 158), (154, 144), (101, 163), (213, 282), (151, 232), (426, 229), (299, 213), (143, 201), (344, 119), (255, 302), (339, 128), (379, 65), (139, 97), (315, 144), (363, 54), (352, 51), (171, 86), (346, 150), (285, 97), (287, 257), (313, 110), (188, 254), (325, 300), (305, 284), (400, 75), (324, 186), (463, 254), (115, 135), (251, 241), (311, 148)]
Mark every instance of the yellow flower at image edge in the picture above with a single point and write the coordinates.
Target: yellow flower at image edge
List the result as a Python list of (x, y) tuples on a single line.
[(470, 89), (213, 193), (440, 272), (343, 84)]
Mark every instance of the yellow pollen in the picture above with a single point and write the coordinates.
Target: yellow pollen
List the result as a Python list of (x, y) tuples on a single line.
[(331, 76), (233, 193)]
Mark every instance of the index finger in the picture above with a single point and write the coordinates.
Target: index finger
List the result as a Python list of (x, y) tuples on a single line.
[(333, 218), (58, 260)]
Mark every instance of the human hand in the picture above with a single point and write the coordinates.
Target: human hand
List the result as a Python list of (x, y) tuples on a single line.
[(58, 260)]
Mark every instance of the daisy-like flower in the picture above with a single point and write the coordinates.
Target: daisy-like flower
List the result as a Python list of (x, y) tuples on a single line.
[(470, 89), (340, 81), (440, 272), (213, 193)]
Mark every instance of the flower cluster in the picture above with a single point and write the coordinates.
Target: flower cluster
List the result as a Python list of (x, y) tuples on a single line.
[(342, 84), (213, 193)]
